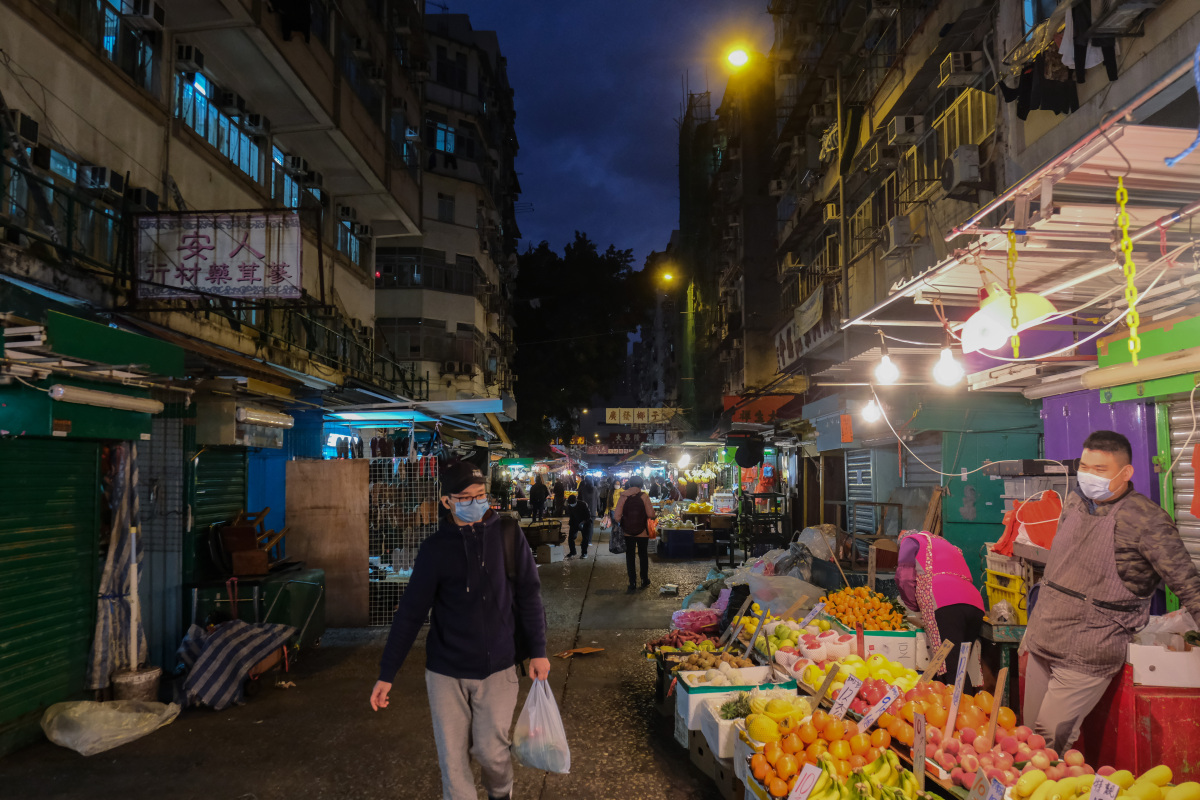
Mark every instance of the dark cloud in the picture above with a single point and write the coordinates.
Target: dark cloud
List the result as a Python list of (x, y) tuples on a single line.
[(599, 87)]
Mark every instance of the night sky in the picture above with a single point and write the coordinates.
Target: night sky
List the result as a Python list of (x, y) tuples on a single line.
[(599, 87)]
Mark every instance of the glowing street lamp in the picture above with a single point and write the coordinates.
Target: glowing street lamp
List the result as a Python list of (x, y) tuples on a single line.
[(739, 58)]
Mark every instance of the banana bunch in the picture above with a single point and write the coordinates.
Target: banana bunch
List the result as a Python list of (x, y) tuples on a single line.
[(706, 646), (883, 779)]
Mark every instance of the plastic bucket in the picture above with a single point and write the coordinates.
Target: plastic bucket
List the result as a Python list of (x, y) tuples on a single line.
[(139, 684)]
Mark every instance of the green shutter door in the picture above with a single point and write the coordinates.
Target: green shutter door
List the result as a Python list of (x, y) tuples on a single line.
[(49, 527), (218, 494)]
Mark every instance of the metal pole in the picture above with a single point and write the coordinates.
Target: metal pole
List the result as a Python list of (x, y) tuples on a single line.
[(821, 481), (843, 250)]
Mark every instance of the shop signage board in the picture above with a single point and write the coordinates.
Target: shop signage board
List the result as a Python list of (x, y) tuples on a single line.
[(249, 256), (639, 416)]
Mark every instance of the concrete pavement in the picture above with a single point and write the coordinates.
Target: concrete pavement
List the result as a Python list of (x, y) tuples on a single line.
[(321, 739)]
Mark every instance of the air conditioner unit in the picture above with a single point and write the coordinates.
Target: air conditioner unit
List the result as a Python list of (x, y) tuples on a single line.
[(829, 213), (27, 128), (360, 48), (100, 179), (295, 165), (777, 188), (311, 180), (41, 156), (899, 230), (362, 231), (376, 75), (188, 58), (466, 368), (1121, 17), (347, 213), (256, 123), (960, 172), (449, 367), (905, 130), (230, 102), (145, 15), (141, 199), (882, 156), (962, 68)]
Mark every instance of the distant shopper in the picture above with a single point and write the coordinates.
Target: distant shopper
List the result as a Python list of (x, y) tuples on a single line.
[(579, 515), (933, 578), (537, 499), (655, 488), (634, 513), (590, 494), (470, 672), (560, 497)]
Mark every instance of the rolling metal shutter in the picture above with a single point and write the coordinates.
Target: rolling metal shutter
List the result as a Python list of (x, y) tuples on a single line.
[(161, 499), (1184, 477), (220, 486), (928, 448), (49, 527), (860, 488)]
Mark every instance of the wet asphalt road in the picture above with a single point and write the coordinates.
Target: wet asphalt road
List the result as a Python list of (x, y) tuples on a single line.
[(321, 739)]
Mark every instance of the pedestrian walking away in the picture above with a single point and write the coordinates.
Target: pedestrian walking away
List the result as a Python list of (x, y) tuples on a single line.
[(478, 616), (579, 516), (560, 498), (537, 499), (634, 513)]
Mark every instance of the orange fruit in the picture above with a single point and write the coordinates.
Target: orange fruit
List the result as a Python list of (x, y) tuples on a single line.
[(772, 751), (778, 788), (985, 701), (843, 769), (857, 762), (791, 743), (907, 734), (819, 718), (860, 743), (760, 772), (1006, 718), (874, 752), (936, 715), (815, 750), (833, 730), (786, 766), (880, 739), (807, 733), (885, 720), (758, 760), (840, 749), (908, 711)]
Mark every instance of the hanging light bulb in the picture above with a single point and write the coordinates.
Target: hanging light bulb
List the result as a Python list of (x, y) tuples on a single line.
[(886, 372), (947, 371), (871, 412), (684, 460), (990, 327)]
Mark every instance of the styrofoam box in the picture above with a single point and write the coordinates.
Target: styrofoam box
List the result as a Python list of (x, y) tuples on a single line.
[(1158, 666), (689, 700), (908, 648), (721, 734), (742, 751), (681, 728)]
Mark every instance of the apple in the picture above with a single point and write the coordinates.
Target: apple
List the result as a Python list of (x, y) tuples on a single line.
[(1075, 770), (970, 763), (987, 761), (1004, 761), (951, 746), (1074, 758), (998, 774), (1010, 777), (933, 735), (968, 735), (983, 743), (1009, 744), (1051, 753), (945, 760), (1022, 732), (1039, 760), (1036, 741), (1088, 769), (932, 751), (1023, 752), (957, 776)]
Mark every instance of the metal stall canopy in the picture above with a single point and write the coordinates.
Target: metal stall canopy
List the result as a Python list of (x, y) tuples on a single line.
[(49, 530)]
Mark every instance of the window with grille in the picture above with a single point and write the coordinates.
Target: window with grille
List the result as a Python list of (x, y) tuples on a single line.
[(445, 208), (196, 109)]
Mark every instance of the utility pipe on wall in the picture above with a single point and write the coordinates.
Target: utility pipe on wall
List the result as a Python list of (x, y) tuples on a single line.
[(1167, 365)]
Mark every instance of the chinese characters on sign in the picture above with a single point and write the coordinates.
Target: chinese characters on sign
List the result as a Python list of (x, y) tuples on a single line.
[(639, 416), (248, 256)]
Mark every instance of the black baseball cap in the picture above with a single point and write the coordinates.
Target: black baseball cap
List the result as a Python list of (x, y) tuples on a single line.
[(460, 475)]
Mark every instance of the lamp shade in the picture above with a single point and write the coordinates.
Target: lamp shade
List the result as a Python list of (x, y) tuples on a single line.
[(991, 326)]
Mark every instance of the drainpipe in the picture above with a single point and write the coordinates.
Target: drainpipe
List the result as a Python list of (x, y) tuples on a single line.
[(843, 248), (1182, 68), (1167, 365)]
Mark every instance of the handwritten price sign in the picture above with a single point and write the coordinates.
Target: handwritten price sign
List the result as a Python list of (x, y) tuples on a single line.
[(872, 716), (918, 749), (1104, 789), (805, 782), (845, 697), (817, 609)]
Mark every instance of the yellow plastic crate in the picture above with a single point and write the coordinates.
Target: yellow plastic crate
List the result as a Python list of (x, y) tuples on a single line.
[(1002, 586)]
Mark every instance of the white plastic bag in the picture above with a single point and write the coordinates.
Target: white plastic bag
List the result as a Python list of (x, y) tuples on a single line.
[(778, 592), (539, 740), (88, 727)]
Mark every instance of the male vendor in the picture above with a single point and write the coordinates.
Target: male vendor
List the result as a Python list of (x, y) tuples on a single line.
[(1113, 548)]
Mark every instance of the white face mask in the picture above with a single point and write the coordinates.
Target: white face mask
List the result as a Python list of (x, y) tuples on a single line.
[(1094, 486)]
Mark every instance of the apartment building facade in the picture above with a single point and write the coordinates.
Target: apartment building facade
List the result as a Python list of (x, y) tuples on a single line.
[(442, 296)]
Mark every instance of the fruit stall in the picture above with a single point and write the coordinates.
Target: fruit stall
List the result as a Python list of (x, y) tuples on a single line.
[(796, 705)]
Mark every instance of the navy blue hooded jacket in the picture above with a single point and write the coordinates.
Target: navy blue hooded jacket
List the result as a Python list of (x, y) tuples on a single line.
[(459, 574)]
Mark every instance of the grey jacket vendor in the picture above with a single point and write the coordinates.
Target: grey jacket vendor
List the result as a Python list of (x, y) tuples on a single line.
[(1113, 549)]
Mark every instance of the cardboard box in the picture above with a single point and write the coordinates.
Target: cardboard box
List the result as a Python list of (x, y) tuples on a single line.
[(1158, 666), (549, 553), (701, 754), (727, 780)]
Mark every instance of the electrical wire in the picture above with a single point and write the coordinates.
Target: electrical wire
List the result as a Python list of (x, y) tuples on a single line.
[(964, 473), (1192, 405), (908, 341)]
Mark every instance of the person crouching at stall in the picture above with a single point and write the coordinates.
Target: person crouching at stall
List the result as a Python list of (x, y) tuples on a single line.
[(1113, 548), (934, 579)]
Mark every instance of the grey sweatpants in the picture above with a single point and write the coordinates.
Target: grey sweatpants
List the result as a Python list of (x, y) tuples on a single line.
[(1058, 699), (473, 718)]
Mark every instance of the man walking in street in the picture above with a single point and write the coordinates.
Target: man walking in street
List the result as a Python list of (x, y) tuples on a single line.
[(470, 675), (1113, 548), (579, 516)]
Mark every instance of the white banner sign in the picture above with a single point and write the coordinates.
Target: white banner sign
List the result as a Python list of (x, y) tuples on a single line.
[(248, 256)]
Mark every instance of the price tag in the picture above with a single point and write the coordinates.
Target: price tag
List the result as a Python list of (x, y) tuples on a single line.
[(829, 679), (979, 789), (846, 697), (956, 698), (762, 616), (918, 749), (1104, 789), (995, 790), (805, 781), (817, 609), (871, 717), (938, 657)]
